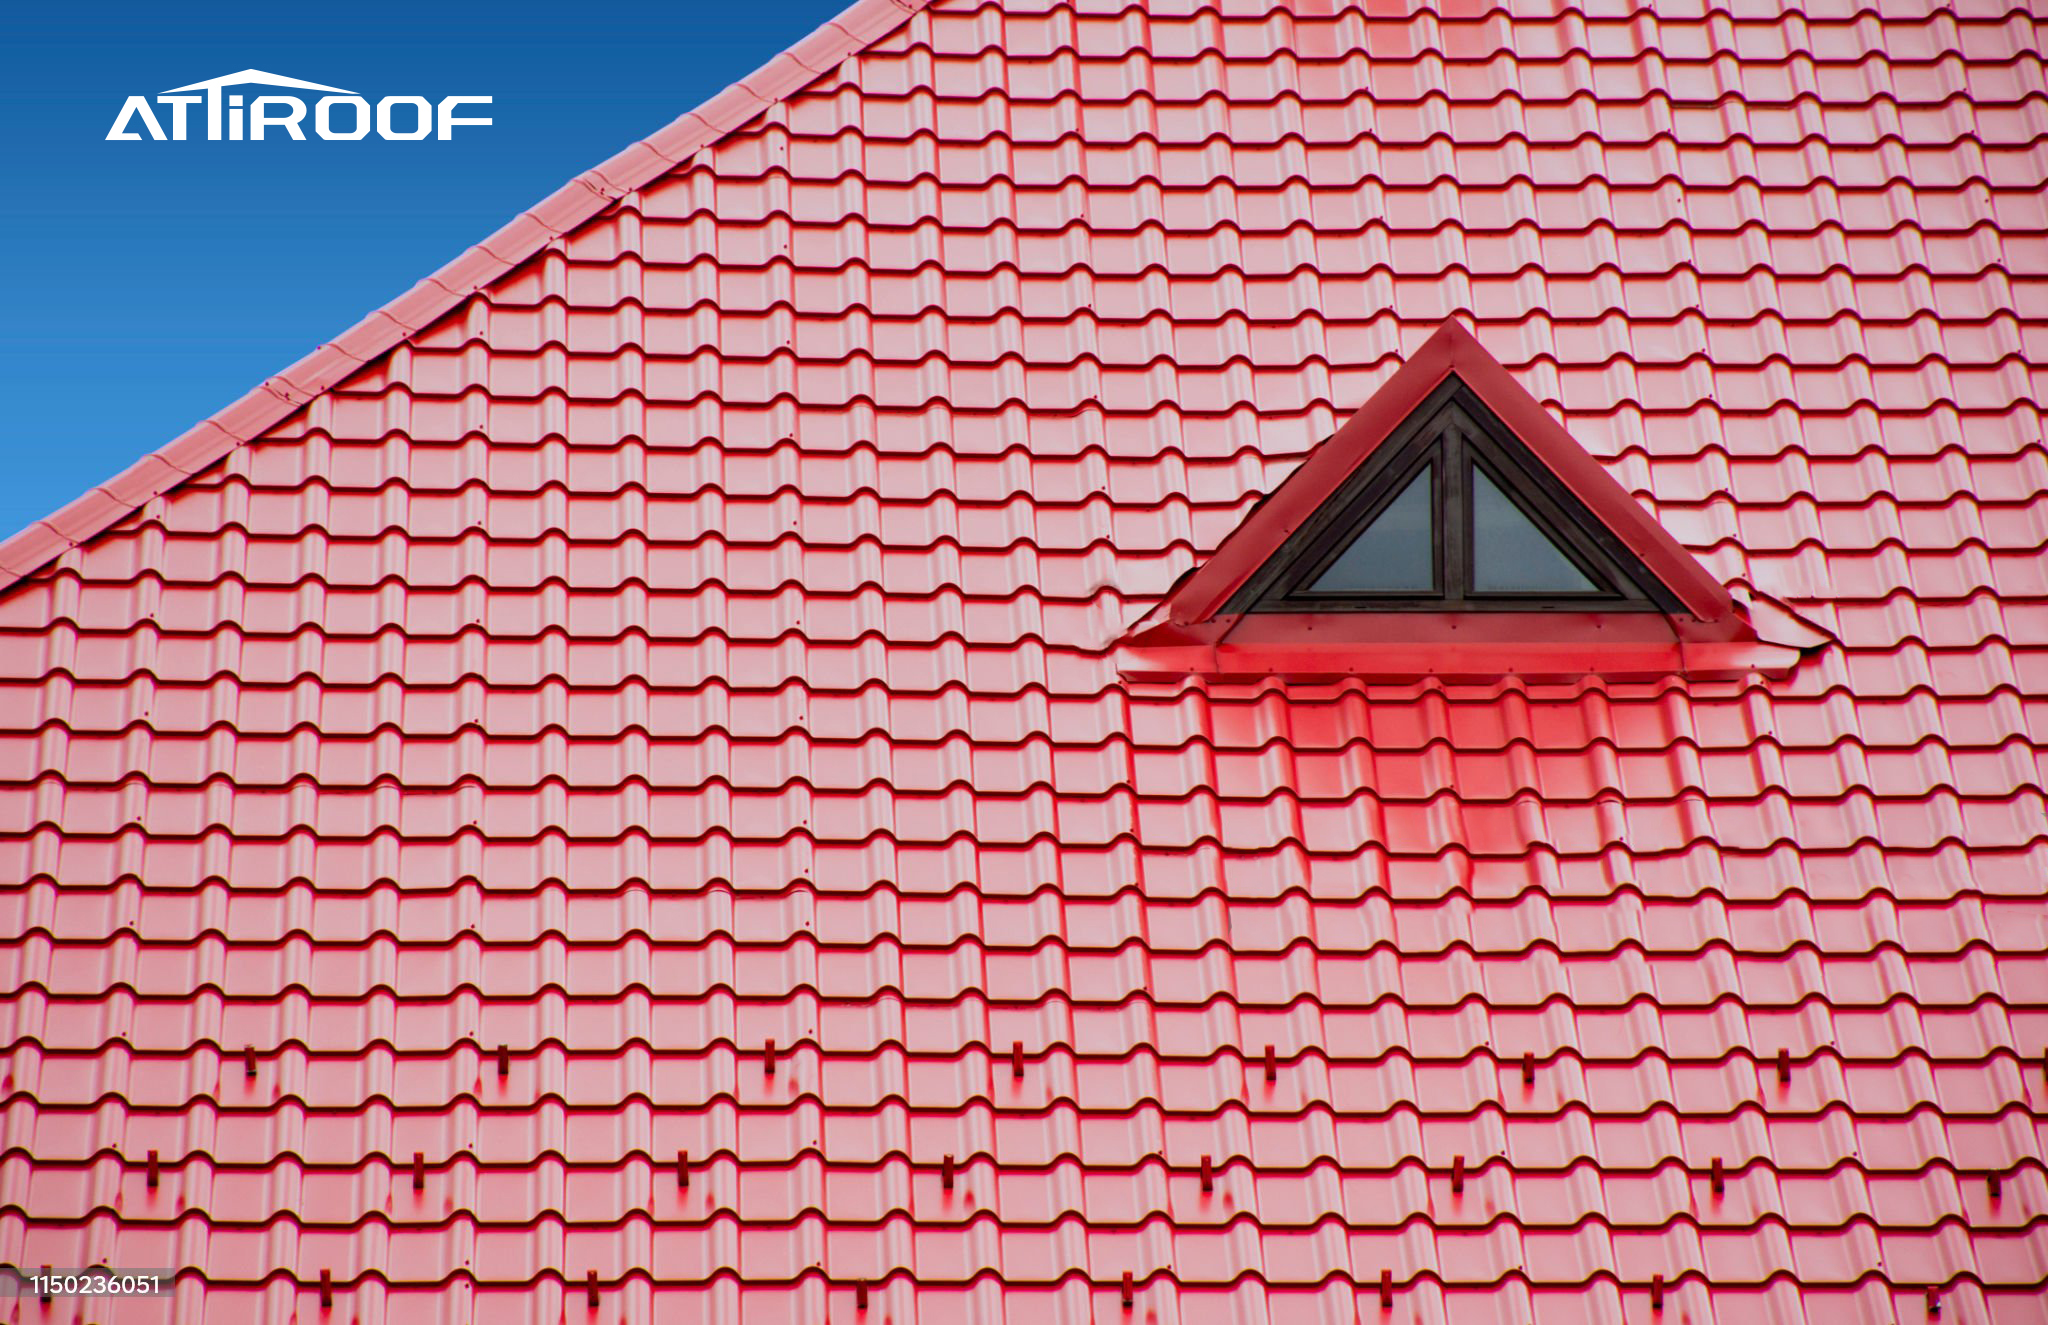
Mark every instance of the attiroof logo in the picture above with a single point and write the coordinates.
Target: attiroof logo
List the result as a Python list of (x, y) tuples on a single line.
[(342, 116)]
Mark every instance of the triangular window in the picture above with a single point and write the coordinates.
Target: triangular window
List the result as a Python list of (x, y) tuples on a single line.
[(1396, 551), (1510, 554), (1452, 513)]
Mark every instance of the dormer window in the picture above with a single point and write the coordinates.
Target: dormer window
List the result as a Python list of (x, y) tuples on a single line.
[(1452, 514), (1452, 528)]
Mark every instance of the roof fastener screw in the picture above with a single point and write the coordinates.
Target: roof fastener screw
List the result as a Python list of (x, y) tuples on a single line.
[(1719, 1177), (248, 1060), (682, 1168), (946, 1173), (1784, 1066), (1933, 1303), (154, 1171), (860, 1295), (327, 1290), (1993, 1186), (504, 1061), (44, 1296), (1130, 1288), (768, 1058), (1528, 1068), (1386, 1290), (590, 1289), (419, 1170), (1272, 1064), (1457, 1174), (1656, 1292), (1016, 1060), (1208, 1174)]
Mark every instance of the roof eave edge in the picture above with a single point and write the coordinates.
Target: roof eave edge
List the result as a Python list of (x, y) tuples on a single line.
[(1195, 658), (588, 194)]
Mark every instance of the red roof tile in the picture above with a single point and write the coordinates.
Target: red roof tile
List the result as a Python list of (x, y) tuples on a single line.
[(684, 624)]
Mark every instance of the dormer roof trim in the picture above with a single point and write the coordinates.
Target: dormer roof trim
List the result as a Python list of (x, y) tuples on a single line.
[(1194, 631)]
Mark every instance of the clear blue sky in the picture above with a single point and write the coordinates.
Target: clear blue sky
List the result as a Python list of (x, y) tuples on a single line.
[(150, 284)]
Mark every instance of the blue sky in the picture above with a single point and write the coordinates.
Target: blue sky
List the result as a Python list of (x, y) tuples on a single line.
[(150, 284)]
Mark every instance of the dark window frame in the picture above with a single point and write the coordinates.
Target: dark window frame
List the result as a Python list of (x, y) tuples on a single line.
[(1449, 433)]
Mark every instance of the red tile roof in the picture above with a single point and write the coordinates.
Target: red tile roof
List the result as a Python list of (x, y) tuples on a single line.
[(688, 630)]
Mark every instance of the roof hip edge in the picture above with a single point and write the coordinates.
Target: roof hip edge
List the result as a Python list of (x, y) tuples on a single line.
[(390, 325)]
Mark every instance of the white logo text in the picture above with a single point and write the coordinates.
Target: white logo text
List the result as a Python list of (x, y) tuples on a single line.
[(341, 116)]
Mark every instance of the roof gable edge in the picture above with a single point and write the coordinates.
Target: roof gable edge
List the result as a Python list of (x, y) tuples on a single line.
[(273, 400)]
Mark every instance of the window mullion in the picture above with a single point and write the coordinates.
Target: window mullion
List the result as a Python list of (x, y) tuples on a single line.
[(1456, 538)]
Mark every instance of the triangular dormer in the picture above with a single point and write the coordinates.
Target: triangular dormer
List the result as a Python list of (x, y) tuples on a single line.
[(1452, 528), (1451, 512)]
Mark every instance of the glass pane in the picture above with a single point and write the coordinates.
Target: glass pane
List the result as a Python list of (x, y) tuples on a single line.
[(1396, 553), (1510, 554)]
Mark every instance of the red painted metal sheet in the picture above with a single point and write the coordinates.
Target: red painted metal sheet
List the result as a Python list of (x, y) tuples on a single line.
[(417, 826)]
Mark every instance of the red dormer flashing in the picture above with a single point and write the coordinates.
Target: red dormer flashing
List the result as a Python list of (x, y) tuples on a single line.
[(1198, 630)]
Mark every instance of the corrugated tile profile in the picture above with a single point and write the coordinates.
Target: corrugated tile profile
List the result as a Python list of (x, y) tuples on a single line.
[(617, 805)]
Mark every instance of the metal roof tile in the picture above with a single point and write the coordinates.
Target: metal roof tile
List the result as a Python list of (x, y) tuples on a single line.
[(1056, 920)]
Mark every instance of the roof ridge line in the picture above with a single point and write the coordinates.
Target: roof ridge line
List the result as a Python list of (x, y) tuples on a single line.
[(855, 28)]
